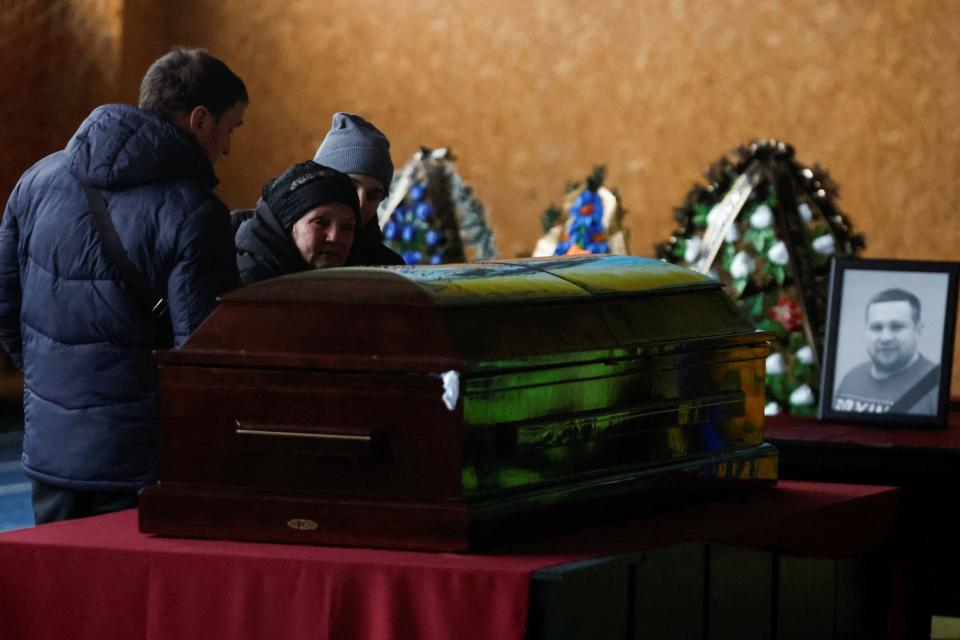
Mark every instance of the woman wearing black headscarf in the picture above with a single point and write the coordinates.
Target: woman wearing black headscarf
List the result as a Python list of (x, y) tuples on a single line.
[(306, 219)]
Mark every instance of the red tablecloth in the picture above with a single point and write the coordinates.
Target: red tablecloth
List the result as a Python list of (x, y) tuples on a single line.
[(100, 578)]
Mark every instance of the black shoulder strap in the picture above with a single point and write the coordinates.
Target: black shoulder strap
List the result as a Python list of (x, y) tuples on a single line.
[(111, 242), (925, 385)]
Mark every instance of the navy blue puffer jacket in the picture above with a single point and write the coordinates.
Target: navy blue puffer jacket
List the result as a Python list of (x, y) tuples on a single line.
[(67, 318)]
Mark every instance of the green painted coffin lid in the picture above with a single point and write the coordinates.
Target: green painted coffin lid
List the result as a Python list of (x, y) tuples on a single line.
[(523, 312), (498, 282)]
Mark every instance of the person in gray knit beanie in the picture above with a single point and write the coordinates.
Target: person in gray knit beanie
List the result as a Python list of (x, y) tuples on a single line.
[(357, 148), (353, 145)]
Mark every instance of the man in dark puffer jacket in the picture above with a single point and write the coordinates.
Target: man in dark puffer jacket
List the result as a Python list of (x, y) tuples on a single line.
[(71, 322)]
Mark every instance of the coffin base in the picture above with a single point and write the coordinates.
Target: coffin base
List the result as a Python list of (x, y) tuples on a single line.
[(242, 513)]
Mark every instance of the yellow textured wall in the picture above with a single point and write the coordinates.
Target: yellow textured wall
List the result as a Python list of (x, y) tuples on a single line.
[(533, 93), (58, 58)]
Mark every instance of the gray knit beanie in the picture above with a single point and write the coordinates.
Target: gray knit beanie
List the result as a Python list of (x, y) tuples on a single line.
[(353, 145)]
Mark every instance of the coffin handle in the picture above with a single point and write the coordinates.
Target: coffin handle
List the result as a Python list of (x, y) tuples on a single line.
[(354, 445)]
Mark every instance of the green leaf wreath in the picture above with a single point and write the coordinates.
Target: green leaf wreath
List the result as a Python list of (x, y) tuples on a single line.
[(774, 260)]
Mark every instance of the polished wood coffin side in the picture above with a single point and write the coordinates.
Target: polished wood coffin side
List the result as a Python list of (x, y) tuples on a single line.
[(341, 433), (287, 517), (189, 510), (321, 457), (529, 429)]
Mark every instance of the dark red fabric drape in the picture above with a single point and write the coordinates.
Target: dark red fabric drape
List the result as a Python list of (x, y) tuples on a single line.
[(99, 578)]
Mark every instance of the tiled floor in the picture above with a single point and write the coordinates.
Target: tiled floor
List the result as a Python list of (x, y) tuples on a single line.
[(15, 509)]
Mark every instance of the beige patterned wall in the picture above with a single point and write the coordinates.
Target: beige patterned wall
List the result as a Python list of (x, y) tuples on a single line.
[(533, 93)]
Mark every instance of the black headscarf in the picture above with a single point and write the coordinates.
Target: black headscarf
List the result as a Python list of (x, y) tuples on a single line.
[(306, 186), (265, 246)]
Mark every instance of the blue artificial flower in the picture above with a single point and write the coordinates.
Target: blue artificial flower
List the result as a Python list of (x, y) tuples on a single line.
[(431, 237), (424, 210), (598, 208), (418, 191), (390, 230), (408, 233)]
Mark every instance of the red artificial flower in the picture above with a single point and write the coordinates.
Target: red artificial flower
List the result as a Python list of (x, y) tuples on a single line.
[(576, 250), (787, 312)]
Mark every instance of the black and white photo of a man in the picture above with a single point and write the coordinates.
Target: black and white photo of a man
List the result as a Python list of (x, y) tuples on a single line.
[(897, 378)]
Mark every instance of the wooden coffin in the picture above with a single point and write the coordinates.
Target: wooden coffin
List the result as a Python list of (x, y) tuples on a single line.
[(444, 407)]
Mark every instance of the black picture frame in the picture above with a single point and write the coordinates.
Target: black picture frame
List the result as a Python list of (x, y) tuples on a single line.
[(876, 365)]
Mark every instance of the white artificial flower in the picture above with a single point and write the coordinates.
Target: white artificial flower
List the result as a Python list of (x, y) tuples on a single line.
[(775, 364), (805, 213), (713, 218), (714, 213), (778, 254), (771, 409), (762, 218), (824, 245), (692, 250), (742, 266), (802, 396), (805, 354), (451, 388), (732, 233)]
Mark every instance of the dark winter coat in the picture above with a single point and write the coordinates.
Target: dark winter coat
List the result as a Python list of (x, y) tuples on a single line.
[(264, 249), (70, 322)]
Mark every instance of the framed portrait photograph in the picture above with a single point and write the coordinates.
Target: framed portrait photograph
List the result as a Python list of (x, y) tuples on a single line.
[(888, 348)]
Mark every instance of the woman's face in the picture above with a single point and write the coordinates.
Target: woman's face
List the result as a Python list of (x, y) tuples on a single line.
[(324, 235)]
